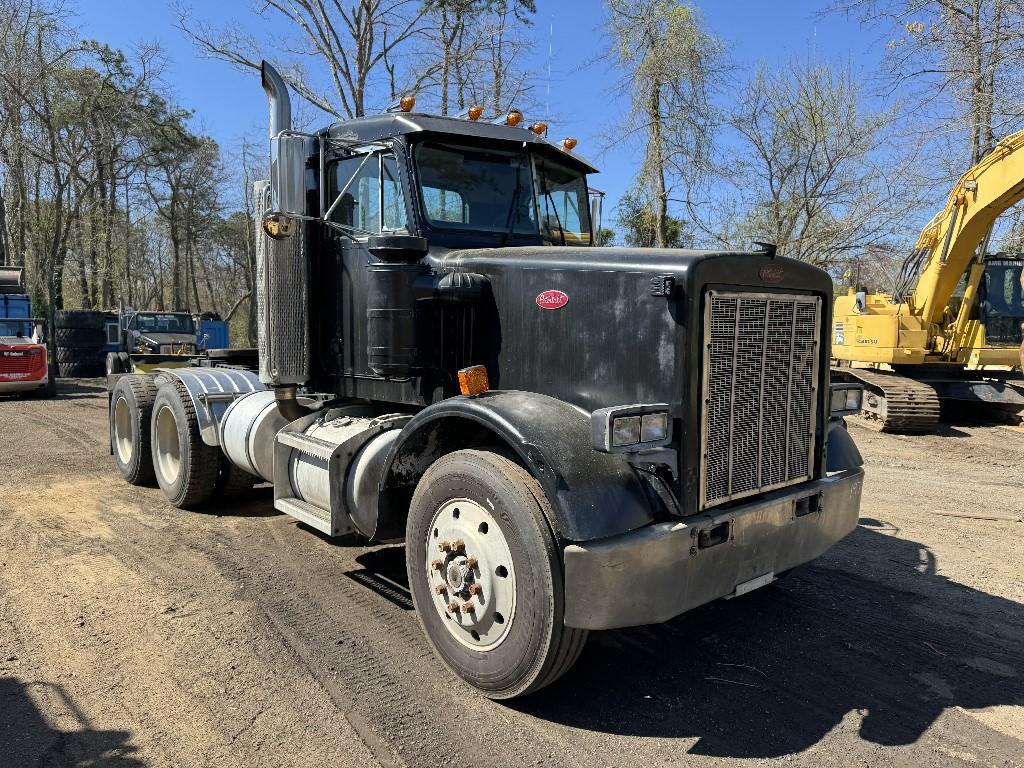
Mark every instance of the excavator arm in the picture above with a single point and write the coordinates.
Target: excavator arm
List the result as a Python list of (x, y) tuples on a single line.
[(953, 236)]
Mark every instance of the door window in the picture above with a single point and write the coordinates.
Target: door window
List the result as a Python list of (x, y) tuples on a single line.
[(371, 194)]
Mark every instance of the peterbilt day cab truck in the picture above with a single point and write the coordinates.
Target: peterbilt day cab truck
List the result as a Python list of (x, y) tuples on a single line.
[(566, 437)]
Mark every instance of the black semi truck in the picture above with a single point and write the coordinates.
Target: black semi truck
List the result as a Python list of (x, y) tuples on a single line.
[(566, 437)]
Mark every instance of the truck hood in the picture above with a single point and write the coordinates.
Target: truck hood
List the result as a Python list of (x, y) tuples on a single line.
[(602, 327)]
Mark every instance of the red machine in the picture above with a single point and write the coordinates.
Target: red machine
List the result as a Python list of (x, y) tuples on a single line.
[(23, 366)]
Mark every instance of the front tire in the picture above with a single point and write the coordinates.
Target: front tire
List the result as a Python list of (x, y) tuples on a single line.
[(478, 536), (185, 467)]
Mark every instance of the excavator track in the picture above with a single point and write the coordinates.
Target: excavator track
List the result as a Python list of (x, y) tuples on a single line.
[(895, 403)]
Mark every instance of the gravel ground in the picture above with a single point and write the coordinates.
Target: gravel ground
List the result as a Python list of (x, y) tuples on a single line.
[(134, 634)]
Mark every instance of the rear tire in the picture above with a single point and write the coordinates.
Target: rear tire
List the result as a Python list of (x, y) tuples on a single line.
[(131, 406), (513, 640), (185, 467)]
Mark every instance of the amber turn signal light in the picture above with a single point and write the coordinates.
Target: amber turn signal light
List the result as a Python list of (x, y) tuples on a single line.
[(473, 380)]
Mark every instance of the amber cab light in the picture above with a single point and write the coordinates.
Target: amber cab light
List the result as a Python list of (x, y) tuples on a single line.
[(569, 144), (407, 103), (514, 118), (475, 112)]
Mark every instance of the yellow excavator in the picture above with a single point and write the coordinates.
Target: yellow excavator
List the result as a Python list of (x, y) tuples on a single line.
[(951, 329)]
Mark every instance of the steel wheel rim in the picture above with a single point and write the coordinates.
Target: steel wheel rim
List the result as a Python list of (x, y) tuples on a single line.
[(123, 430), (479, 573), (168, 449)]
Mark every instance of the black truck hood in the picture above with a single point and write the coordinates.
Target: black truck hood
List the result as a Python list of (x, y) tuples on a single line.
[(594, 326)]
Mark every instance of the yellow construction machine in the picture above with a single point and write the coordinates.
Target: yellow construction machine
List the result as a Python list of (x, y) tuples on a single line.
[(951, 329)]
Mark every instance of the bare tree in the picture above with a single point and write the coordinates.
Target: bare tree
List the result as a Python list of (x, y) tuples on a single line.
[(352, 42), (669, 66), (957, 64), (812, 168)]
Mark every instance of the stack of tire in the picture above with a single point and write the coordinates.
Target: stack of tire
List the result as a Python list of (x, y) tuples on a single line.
[(79, 338)]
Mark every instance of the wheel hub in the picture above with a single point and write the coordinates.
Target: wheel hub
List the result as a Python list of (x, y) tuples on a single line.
[(470, 574)]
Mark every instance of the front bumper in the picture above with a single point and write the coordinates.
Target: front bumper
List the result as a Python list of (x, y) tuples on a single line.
[(12, 386), (652, 574)]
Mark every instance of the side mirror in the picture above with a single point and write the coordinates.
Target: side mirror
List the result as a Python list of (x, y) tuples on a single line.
[(287, 184), (595, 217)]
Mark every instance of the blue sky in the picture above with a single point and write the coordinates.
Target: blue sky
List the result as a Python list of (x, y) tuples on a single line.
[(229, 105)]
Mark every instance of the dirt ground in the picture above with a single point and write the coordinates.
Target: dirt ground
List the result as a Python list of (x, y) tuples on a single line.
[(134, 634)]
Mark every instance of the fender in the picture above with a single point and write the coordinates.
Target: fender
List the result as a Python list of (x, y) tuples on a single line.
[(593, 495), (841, 451), (212, 390)]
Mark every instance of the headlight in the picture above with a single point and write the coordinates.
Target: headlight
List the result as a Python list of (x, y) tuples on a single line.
[(628, 428), (845, 399)]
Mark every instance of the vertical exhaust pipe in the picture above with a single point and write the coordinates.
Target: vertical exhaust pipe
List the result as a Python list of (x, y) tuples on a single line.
[(277, 97), (282, 262)]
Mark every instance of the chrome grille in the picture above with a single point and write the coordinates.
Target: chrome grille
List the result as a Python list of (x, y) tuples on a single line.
[(760, 392)]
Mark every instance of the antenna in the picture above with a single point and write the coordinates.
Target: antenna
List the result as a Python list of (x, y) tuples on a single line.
[(551, 38)]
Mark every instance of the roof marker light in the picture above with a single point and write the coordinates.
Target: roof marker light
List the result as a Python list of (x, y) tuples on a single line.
[(539, 128), (407, 103), (569, 144), (514, 118), (474, 112)]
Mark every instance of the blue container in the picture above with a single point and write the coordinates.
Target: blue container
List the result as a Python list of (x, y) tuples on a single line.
[(213, 334), (15, 305)]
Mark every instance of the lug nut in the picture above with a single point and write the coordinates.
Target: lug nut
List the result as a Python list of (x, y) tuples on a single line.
[(467, 607), (444, 546), (453, 607), (471, 562), (436, 565), (441, 589), (475, 589)]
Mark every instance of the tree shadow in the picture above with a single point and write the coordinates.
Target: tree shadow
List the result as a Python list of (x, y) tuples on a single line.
[(871, 628), (26, 739)]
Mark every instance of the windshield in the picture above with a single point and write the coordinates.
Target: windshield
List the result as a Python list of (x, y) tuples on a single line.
[(493, 190), (164, 322), (1002, 305)]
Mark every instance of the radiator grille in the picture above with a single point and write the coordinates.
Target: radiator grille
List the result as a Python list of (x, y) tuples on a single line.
[(760, 391)]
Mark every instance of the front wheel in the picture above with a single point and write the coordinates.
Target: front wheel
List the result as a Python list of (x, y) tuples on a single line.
[(486, 576)]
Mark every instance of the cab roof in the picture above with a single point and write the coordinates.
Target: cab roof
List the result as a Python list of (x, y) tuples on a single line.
[(392, 124)]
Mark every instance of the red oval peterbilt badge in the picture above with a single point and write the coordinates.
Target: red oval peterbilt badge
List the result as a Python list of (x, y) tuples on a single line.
[(552, 300), (772, 273)]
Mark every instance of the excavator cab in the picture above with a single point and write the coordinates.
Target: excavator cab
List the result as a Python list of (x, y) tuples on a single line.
[(1001, 301)]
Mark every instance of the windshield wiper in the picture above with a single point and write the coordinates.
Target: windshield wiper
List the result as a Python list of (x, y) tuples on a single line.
[(512, 209)]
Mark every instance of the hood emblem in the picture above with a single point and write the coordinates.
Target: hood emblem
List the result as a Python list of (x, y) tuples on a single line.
[(772, 273), (552, 300)]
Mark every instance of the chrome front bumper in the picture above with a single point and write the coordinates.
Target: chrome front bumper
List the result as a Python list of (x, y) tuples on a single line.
[(652, 574)]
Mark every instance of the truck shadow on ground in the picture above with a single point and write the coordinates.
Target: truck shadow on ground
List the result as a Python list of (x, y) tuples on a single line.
[(27, 739), (871, 629)]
